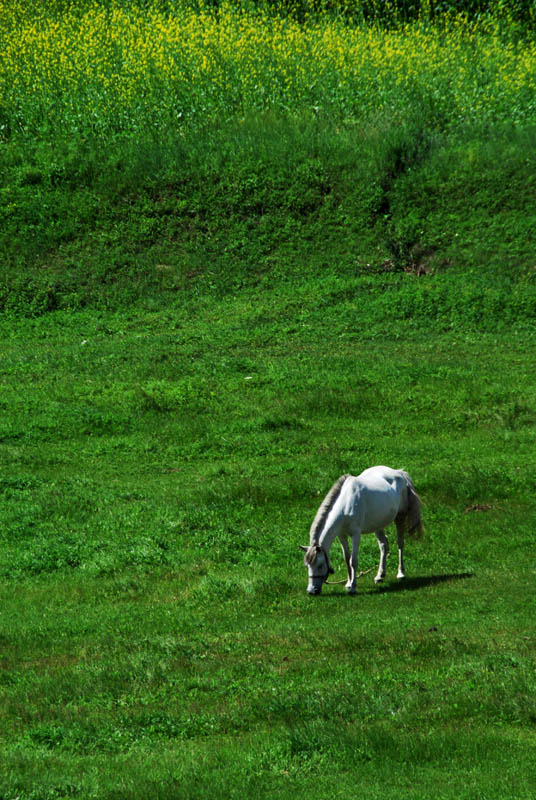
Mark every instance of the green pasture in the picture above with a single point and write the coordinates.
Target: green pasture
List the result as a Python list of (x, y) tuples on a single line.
[(202, 326), (160, 470)]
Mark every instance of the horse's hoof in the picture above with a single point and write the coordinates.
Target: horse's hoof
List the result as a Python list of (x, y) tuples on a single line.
[(378, 579), (350, 590), (401, 577)]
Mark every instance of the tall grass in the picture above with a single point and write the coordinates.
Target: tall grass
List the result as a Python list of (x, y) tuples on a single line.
[(137, 68)]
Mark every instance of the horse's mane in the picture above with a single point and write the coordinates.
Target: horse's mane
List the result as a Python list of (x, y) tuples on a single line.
[(325, 508)]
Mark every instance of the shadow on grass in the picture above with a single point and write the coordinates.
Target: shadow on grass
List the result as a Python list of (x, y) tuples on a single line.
[(411, 584), (407, 585)]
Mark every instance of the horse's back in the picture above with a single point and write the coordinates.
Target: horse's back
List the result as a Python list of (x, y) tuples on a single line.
[(374, 476), (378, 495)]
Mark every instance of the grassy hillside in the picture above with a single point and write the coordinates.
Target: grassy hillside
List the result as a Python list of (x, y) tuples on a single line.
[(146, 152), (278, 199), (242, 254)]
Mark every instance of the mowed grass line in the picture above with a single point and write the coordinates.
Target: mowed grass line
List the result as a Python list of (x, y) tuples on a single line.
[(157, 641)]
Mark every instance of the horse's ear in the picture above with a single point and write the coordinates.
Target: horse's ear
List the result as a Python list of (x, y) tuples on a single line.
[(303, 547)]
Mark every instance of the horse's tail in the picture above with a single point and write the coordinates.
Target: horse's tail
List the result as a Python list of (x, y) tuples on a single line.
[(413, 512)]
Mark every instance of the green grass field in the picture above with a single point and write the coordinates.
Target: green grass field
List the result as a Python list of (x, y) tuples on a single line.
[(160, 470), (204, 326)]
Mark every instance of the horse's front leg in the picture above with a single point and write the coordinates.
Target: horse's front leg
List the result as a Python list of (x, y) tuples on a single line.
[(351, 562), (347, 559), (383, 544)]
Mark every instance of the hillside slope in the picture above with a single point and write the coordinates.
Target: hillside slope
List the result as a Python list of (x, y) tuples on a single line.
[(444, 224)]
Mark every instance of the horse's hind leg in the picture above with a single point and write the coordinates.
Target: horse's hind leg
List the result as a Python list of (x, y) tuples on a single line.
[(383, 544), (400, 528)]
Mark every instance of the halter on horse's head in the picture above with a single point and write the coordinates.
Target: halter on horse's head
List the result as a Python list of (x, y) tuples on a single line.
[(318, 564)]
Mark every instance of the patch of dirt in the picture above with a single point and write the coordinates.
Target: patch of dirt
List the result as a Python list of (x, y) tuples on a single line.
[(419, 260)]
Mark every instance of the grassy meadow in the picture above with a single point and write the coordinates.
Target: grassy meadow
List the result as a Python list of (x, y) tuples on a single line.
[(246, 249)]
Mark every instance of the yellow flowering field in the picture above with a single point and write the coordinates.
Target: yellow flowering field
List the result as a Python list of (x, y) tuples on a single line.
[(119, 67)]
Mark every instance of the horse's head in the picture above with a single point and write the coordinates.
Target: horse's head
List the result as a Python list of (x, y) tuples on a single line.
[(317, 562)]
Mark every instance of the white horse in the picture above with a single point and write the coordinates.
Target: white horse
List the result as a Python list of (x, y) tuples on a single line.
[(363, 504)]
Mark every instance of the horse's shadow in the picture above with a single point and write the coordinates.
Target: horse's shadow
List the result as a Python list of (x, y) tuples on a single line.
[(412, 584), (406, 585)]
